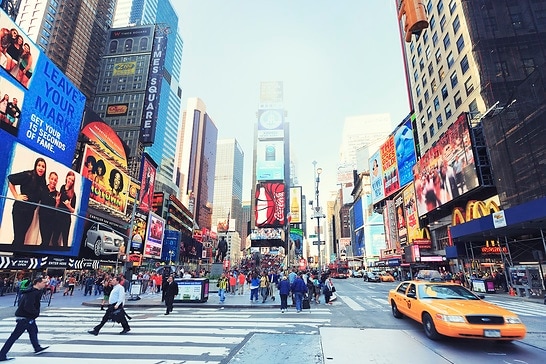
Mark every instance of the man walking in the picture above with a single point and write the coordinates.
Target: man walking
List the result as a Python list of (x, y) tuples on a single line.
[(25, 316), (115, 301), (171, 291)]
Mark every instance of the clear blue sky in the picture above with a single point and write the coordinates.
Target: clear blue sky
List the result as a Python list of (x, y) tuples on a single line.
[(335, 58)]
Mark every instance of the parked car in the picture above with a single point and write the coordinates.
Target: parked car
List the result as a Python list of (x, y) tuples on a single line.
[(371, 277), (386, 277), (357, 273), (449, 309), (103, 240)]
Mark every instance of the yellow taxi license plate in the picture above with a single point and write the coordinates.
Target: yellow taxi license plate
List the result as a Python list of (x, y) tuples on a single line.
[(491, 333)]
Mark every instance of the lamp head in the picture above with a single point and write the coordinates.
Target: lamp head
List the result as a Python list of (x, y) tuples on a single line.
[(319, 171)]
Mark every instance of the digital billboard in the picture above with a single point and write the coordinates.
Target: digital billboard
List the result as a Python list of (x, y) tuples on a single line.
[(401, 219), (154, 237), (270, 205), (270, 124), (295, 205), (171, 246), (109, 182), (30, 178), (376, 177), (39, 105), (447, 170), (148, 171), (410, 213), (296, 237), (104, 138), (405, 151), (103, 238), (270, 160), (391, 182)]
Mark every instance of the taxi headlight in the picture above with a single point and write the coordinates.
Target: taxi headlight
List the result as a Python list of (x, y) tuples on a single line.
[(451, 318), (512, 320)]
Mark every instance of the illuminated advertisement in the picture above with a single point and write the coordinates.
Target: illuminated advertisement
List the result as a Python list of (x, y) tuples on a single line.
[(405, 151), (105, 138), (295, 205), (270, 124), (153, 88), (148, 171), (103, 238), (44, 113), (391, 183), (270, 160), (376, 179), (296, 237), (446, 170), (171, 243), (270, 204), (401, 219), (109, 183), (154, 237), (62, 194), (124, 68), (117, 109), (410, 213)]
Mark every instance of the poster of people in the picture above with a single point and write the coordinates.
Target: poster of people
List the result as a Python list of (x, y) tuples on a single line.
[(44, 200), (154, 236), (148, 171)]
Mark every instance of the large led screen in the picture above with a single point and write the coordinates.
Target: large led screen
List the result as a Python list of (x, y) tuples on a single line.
[(154, 237), (269, 160), (295, 205), (405, 151), (38, 104), (446, 170), (43, 201), (376, 180), (270, 205)]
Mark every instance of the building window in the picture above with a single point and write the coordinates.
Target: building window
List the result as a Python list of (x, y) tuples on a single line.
[(420, 105), (143, 45), (431, 130), (447, 110), (452, 6), (456, 25), (411, 47), (464, 64), (473, 108), (425, 37), (421, 64), (516, 21), (444, 92), (460, 44), (450, 60), (528, 65), (430, 69), (457, 99), (501, 69), (433, 85), (422, 121), (425, 138), (419, 50), (427, 96), (438, 56), (443, 23), (128, 45), (113, 46), (429, 7), (427, 53), (439, 122), (441, 73), (440, 7), (469, 86), (431, 22), (418, 90), (424, 81), (415, 75), (436, 103), (429, 113), (413, 61), (453, 79), (447, 41), (435, 39)]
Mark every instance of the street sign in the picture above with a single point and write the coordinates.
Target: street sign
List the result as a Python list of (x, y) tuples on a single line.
[(322, 242)]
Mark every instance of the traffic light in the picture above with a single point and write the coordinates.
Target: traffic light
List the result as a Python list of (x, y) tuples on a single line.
[(416, 16)]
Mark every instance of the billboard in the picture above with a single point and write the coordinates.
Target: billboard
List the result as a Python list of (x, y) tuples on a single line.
[(270, 124), (401, 219), (405, 151), (109, 183), (447, 170), (154, 237), (270, 205), (153, 87), (376, 177), (104, 138), (410, 213), (148, 171), (44, 113), (391, 182), (171, 246), (295, 205), (269, 160), (296, 237), (37, 179)]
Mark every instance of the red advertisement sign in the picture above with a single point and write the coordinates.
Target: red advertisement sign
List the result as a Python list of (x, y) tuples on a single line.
[(270, 204)]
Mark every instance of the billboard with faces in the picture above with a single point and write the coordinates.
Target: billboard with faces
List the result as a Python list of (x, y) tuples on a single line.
[(154, 236), (39, 105), (43, 204)]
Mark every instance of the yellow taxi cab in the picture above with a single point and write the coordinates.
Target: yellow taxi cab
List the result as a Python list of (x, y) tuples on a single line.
[(449, 309), (386, 277)]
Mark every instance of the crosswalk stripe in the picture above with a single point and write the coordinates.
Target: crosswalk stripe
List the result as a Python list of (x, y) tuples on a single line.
[(521, 308), (351, 303)]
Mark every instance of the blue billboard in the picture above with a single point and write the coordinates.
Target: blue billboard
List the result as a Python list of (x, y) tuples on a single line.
[(405, 151), (39, 105)]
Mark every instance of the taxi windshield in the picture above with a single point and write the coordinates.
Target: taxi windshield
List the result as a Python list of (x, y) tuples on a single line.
[(445, 292)]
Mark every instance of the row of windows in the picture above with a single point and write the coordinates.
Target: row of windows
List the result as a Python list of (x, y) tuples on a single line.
[(128, 45)]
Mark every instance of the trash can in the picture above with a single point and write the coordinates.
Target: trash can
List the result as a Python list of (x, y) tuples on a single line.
[(192, 290)]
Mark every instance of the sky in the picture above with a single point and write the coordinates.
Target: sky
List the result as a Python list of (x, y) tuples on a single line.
[(335, 58)]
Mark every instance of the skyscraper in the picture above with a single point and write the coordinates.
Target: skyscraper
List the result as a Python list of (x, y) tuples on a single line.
[(72, 33), (162, 14), (196, 161), (228, 184)]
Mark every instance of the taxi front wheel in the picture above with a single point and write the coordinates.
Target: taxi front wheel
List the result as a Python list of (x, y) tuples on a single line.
[(430, 329)]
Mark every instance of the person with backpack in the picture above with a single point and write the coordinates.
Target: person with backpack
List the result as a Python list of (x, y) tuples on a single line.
[(25, 316)]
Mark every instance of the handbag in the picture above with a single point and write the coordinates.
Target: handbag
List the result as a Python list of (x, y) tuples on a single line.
[(333, 288), (117, 315)]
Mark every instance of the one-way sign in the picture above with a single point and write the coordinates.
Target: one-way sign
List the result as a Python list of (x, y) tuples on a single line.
[(322, 242)]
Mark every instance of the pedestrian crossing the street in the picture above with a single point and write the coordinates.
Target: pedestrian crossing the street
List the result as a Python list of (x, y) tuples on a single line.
[(188, 335)]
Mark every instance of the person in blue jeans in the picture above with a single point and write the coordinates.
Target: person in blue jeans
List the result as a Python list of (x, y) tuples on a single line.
[(254, 287), (222, 287), (299, 288), (284, 291)]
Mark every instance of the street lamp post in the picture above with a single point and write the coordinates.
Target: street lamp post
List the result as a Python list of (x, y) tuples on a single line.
[(318, 215)]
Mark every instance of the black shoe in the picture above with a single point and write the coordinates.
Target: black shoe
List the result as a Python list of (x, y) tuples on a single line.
[(124, 331), (93, 332), (166, 313), (6, 359), (41, 350), (101, 308)]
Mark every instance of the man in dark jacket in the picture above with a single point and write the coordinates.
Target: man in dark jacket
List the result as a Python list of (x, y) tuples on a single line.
[(27, 312), (170, 290), (299, 288)]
